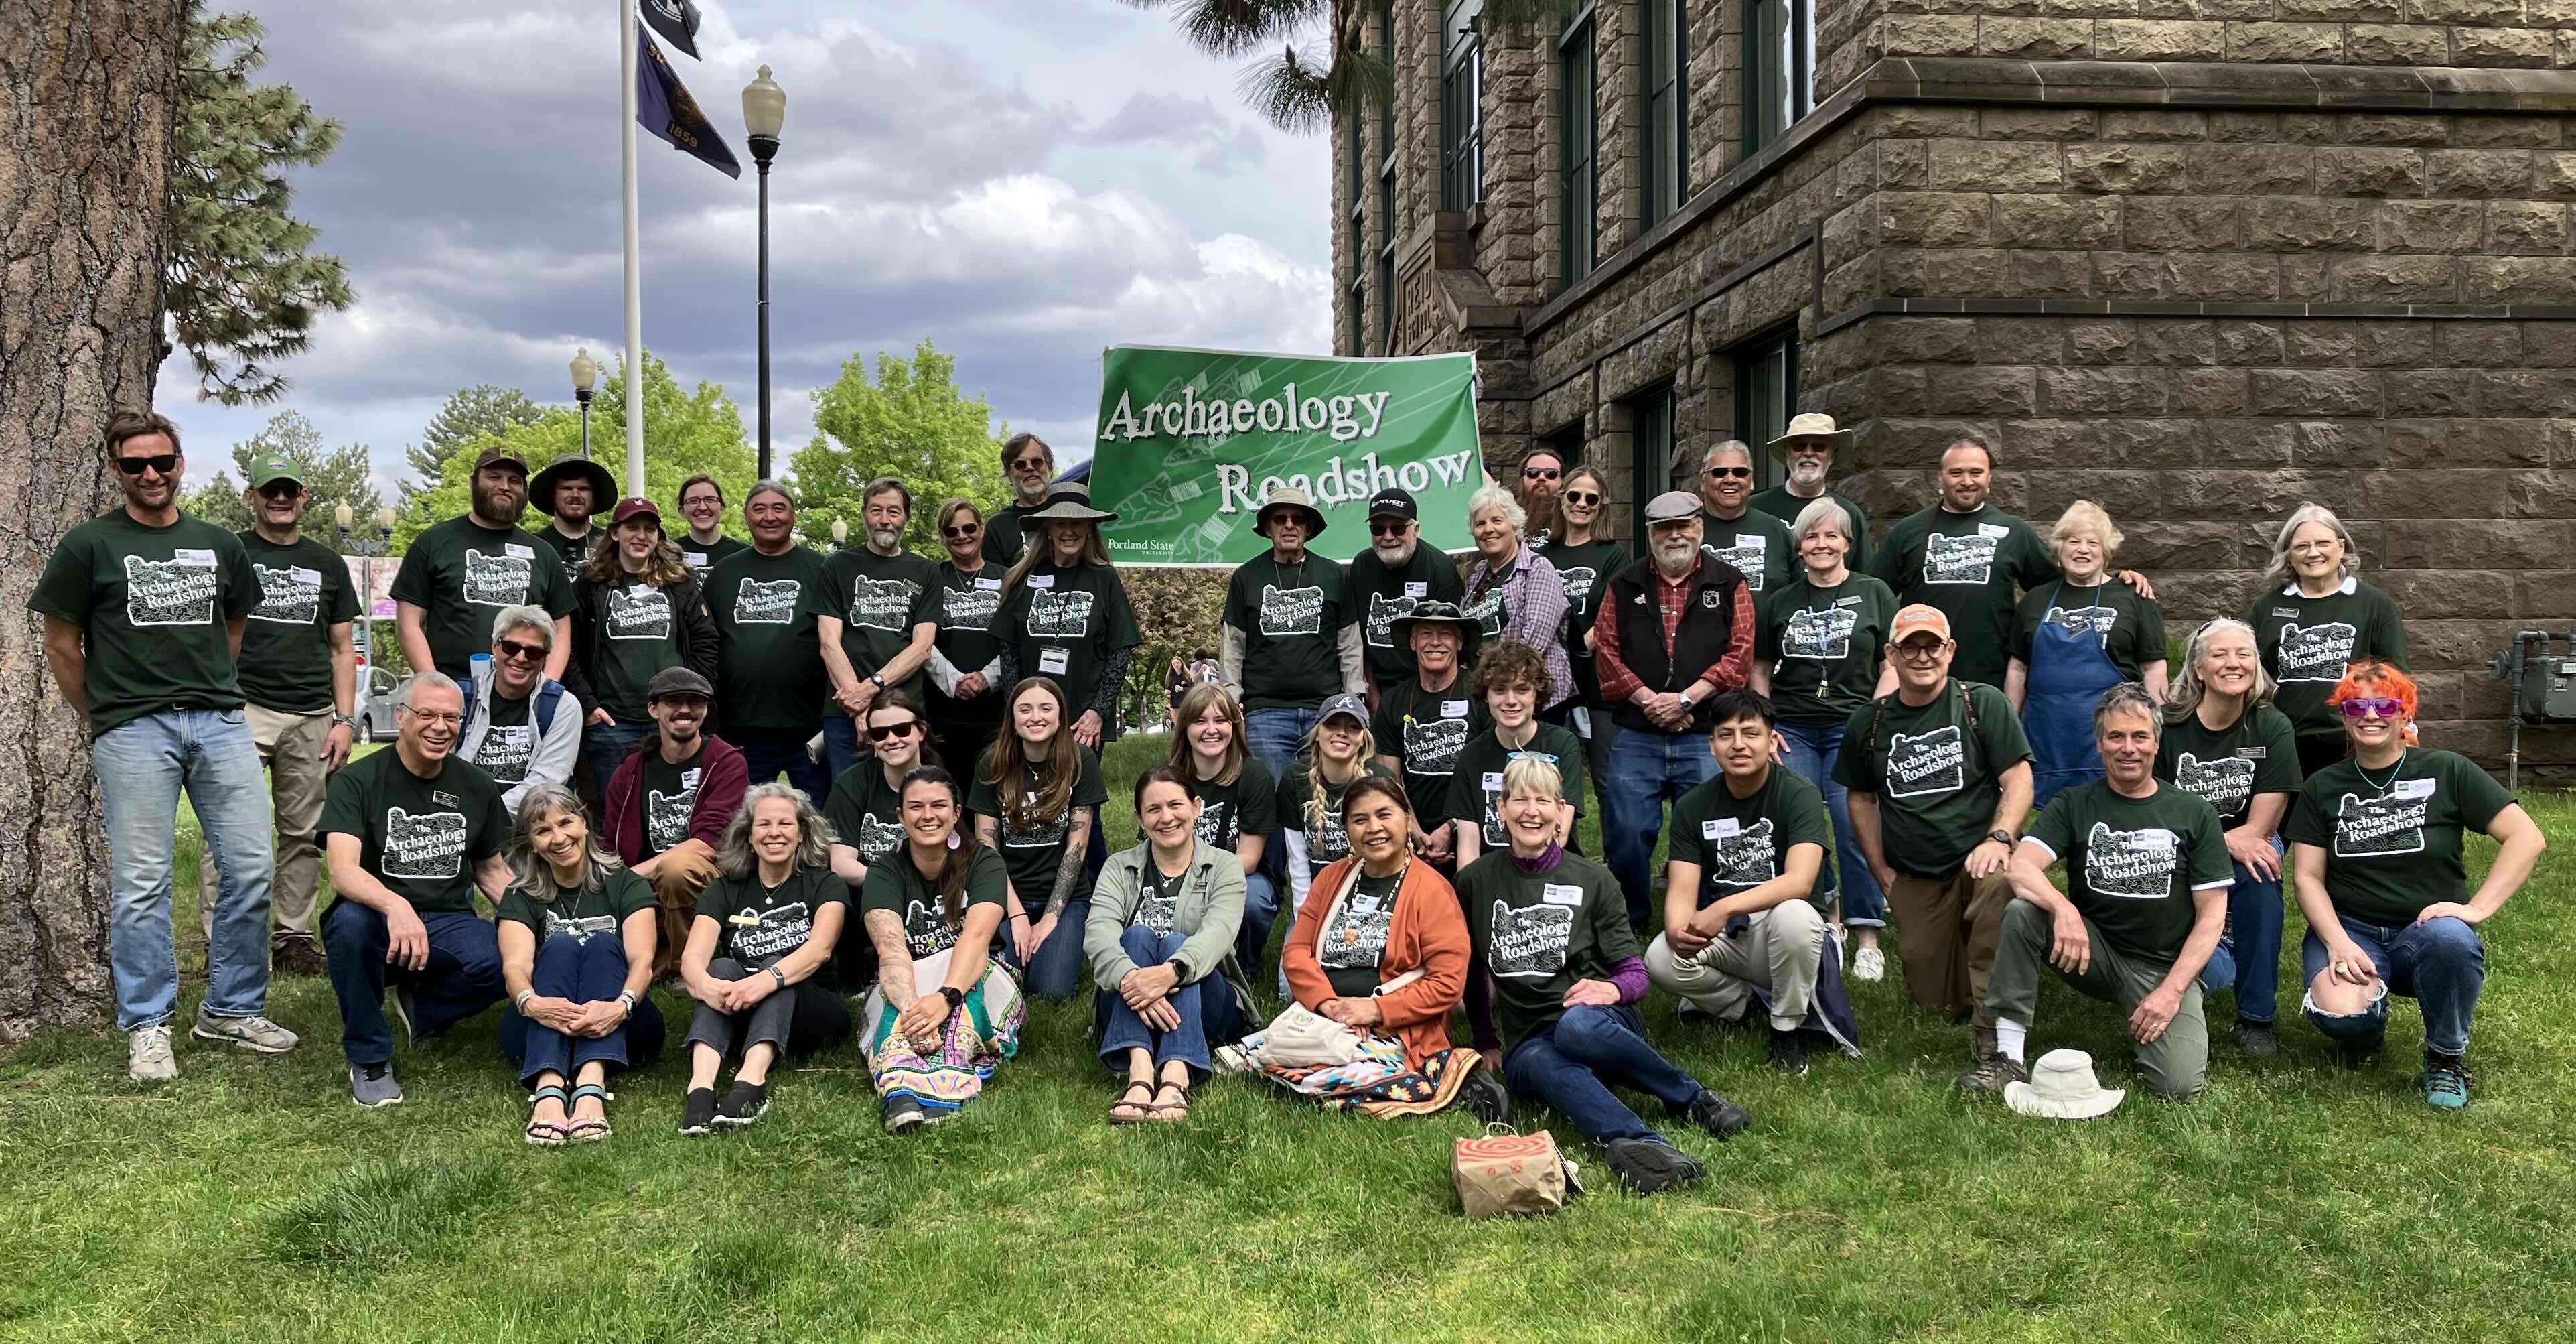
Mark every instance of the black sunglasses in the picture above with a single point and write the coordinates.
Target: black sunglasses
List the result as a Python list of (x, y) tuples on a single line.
[(516, 651), (1541, 473), (165, 463), (1722, 473), (280, 491), (903, 729), (1391, 528), (1580, 497), (961, 532)]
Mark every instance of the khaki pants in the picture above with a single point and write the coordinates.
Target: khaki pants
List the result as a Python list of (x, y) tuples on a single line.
[(290, 745), (2175, 1064), (1778, 953), (683, 873), (1946, 929)]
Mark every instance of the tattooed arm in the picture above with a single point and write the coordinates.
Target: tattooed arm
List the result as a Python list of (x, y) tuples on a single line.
[(894, 963), (1077, 839)]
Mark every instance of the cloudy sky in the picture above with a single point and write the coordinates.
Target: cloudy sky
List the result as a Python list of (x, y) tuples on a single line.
[(1022, 181)]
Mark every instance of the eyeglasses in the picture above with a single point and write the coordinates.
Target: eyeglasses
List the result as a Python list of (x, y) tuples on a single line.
[(1541, 473), (1721, 473), (1580, 497), (518, 652), (893, 730), (165, 463), (1921, 652), (961, 532), (1030, 464), (1392, 528), (278, 492), (432, 717), (2372, 706), (696, 500)]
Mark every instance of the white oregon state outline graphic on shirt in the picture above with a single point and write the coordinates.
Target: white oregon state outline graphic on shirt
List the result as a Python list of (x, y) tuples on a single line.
[(2095, 621), (639, 611), (2132, 865), (666, 816), (506, 751), (1291, 611), (924, 932), (882, 604), (288, 594), (770, 602), (1054, 615), (169, 592), (428, 846), (1530, 942), (1488, 613), (1156, 910), (970, 608), (2223, 782), (1212, 822), (1935, 762), (1431, 746), (1578, 584), (1357, 937), (2316, 652), (497, 580), (2371, 828), (1383, 612), (1747, 555), (782, 928), (1963, 559), (1822, 635), (877, 839), (1743, 860)]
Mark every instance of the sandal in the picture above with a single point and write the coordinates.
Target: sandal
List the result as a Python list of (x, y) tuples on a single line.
[(547, 1133), (1135, 1111), (588, 1131), (1174, 1112)]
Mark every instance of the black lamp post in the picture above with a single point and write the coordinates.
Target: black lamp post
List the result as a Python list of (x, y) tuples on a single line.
[(764, 114), (585, 385)]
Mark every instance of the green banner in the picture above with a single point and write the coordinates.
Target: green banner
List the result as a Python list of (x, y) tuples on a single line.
[(1191, 440)]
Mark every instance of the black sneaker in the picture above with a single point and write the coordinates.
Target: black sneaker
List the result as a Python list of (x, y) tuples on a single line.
[(1652, 1166), (1723, 1119), (1994, 1070), (1486, 1098), (698, 1112), (1788, 1053), (903, 1114), (2363, 1052), (743, 1103), (2256, 1039)]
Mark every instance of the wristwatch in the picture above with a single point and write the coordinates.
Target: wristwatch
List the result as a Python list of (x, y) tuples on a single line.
[(954, 995), (348, 721), (878, 678), (779, 976), (2001, 837)]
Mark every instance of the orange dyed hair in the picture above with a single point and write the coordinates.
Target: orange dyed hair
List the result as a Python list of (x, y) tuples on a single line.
[(2378, 676)]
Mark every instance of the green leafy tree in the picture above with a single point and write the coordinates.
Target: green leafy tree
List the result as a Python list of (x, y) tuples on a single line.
[(332, 477), (910, 421), (242, 283), (482, 410), (685, 433)]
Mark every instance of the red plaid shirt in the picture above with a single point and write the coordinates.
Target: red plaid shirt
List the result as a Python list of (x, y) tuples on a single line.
[(1672, 598)]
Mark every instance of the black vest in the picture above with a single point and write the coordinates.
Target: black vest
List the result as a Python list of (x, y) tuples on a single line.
[(1700, 638)]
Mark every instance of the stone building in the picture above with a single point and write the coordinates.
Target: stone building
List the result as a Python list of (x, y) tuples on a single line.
[(2198, 260)]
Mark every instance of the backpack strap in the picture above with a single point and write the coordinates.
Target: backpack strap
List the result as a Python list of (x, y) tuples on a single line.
[(548, 696)]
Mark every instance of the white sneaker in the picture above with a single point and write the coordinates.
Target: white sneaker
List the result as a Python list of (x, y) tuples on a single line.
[(1869, 964), (147, 1055), (250, 1033)]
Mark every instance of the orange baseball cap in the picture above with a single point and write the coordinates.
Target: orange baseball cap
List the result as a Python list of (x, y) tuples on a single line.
[(1917, 619)]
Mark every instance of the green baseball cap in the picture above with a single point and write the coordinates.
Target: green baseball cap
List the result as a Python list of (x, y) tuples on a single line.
[(274, 467)]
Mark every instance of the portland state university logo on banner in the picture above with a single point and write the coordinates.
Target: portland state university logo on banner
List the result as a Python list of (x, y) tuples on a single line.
[(2133, 865)]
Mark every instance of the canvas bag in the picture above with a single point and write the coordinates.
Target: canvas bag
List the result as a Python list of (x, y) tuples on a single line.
[(1301, 1038), (1511, 1173)]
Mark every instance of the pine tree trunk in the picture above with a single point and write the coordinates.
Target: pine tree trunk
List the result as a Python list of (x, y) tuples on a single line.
[(90, 88)]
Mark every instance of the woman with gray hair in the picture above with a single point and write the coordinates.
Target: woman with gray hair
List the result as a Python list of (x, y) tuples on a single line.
[(1516, 596), (577, 932), (2312, 619), (764, 927), (2072, 641)]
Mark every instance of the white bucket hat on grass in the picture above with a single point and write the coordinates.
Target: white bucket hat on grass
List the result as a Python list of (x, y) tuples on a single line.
[(2062, 1087)]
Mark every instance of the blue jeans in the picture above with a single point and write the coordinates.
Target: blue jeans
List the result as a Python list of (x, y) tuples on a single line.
[(1811, 753), (1058, 969), (1647, 770), (768, 752), (841, 749), (2440, 964), (1260, 912), (2249, 957), (1568, 1065), (1275, 736), (1206, 1007), (463, 976), (609, 743), (142, 765), (590, 970)]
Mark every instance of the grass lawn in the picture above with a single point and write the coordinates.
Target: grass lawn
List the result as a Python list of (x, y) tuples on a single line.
[(2294, 1202)]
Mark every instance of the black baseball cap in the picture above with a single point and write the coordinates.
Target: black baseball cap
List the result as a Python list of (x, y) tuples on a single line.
[(1393, 503)]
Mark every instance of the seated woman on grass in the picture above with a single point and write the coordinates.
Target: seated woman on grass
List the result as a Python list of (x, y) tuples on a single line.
[(866, 814), (1036, 796), (764, 930), (577, 934), (1381, 949), (1551, 929), (1337, 752), (1161, 943), (944, 1013)]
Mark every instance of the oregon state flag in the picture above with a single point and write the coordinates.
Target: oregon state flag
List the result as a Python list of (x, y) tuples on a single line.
[(663, 106)]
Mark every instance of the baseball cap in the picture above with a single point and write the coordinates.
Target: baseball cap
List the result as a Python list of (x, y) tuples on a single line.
[(1672, 506), (636, 507), (1394, 503), (1918, 619), (1345, 704), (274, 467), (678, 681), (498, 454)]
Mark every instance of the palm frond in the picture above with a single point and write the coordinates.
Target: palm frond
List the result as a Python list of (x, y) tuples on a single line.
[(1235, 28), (1291, 90)]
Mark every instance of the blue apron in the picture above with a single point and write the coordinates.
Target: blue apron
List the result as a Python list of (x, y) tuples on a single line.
[(2068, 674)]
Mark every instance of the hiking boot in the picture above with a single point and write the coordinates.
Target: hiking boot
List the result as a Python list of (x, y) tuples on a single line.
[(250, 1033), (1723, 1119), (373, 1085), (1869, 965), (147, 1055), (1652, 1166), (2446, 1081), (903, 1114), (1994, 1069), (698, 1111), (2363, 1052), (743, 1103), (298, 956), (1486, 1098), (2256, 1039), (1788, 1053)]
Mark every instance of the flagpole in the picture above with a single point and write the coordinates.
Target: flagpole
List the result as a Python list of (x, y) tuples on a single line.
[(635, 382)]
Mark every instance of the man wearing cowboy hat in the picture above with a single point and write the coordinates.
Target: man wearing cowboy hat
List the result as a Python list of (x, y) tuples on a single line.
[(1064, 614), (1389, 577), (459, 574), (570, 490), (2147, 877), (1732, 530), (1807, 451), (1291, 637), (1424, 721)]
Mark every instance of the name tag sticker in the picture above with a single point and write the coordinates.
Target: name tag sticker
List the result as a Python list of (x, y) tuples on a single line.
[(695, 559), (1718, 828), (2413, 790), (1042, 580), (1557, 893), (1053, 662), (994, 585), (2287, 611), (303, 575), (442, 797), (2253, 753), (1455, 709), (518, 552), (1417, 590), (196, 559), (1493, 781), (689, 778), (747, 919), (1995, 530), (1848, 601)]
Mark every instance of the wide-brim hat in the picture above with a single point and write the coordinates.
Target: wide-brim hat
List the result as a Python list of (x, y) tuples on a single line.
[(1070, 502), (1426, 612), (541, 487), (1811, 425), (2062, 1087), (1288, 497)]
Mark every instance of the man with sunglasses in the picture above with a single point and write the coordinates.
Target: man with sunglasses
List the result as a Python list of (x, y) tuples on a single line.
[(1392, 577), (1028, 464), (145, 610), (1542, 475), (1290, 634), (769, 658), (525, 729), (459, 574), (299, 670), (701, 503), (669, 803), (1806, 451), (1732, 530)]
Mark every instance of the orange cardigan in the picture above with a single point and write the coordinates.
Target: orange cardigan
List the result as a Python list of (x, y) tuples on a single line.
[(1428, 932)]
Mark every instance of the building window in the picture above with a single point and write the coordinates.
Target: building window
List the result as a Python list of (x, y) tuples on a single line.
[(1766, 395), (1357, 344), (1579, 134), (1386, 187), (1780, 67), (1462, 105), (1653, 436), (1663, 141)]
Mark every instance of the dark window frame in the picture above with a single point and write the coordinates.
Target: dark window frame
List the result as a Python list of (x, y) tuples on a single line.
[(1462, 104), (1663, 133), (1578, 48), (1758, 420), (1386, 192), (1765, 120), (1654, 437)]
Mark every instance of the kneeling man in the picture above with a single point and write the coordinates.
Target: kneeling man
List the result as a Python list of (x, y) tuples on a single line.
[(2147, 877)]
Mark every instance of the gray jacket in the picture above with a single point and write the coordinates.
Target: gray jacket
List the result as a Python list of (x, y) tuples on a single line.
[(1209, 912)]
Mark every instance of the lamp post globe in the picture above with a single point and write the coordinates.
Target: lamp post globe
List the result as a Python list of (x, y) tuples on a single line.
[(585, 385), (764, 114)]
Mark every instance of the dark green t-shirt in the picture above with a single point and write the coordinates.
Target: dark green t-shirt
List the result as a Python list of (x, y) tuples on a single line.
[(1158, 901), (878, 599), (286, 643), (769, 662), (967, 605), (2130, 628), (1064, 624), (1741, 843), (866, 812), (580, 915), (1006, 536), (757, 924), (1586, 571), (670, 797), (2392, 840), (709, 556), (575, 551), (639, 635), (509, 742), (1538, 933), (1935, 776), (1354, 938), (152, 604), (1326, 841), (1826, 645), (1248, 806), (1034, 852), (896, 886), (1383, 594), (1476, 790), (461, 574), (1756, 543), (1972, 567), (1424, 731), (1291, 617), (2133, 863), (420, 837), (1780, 504), (2307, 642), (2255, 754)]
